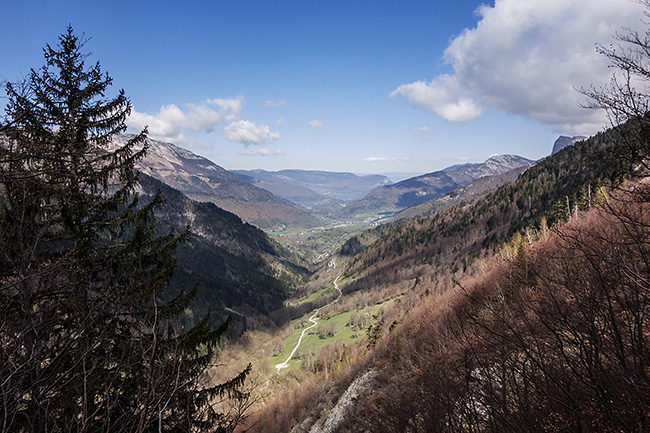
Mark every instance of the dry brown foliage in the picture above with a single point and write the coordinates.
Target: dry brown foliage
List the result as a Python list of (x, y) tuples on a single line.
[(553, 338)]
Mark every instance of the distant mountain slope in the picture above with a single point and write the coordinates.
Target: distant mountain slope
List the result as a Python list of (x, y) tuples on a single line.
[(202, 180), (238, 268), (314, 188), (466, 194), (420, 189)]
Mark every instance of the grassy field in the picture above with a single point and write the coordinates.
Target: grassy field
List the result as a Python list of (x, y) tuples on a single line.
[(313, 342), (325, 291)]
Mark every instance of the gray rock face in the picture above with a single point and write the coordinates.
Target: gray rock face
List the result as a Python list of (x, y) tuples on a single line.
[(362, 386), (564, 141)]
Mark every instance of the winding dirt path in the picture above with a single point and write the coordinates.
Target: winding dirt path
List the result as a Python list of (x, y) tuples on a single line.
[(312, 319)]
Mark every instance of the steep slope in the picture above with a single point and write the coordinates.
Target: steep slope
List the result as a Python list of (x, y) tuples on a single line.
[(203, 180), (442, 343), (547, 339), (462, 231), (239, 270), (420, 189), (536, 334)]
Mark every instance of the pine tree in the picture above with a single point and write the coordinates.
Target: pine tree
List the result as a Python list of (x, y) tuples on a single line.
[(90, 337)]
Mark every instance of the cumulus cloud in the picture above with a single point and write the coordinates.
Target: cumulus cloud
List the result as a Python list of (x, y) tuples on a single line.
[(247, 132), (168, 123), (234, 106), (423, 130), (262, 152), (444, 95), (316, 124), (528, 58)]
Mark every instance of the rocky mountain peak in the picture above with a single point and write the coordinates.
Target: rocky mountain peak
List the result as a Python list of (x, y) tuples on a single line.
[(564, 141), (494, 165)]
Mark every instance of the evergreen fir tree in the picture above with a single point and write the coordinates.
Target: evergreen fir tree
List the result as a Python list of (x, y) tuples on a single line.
[(90, 339)]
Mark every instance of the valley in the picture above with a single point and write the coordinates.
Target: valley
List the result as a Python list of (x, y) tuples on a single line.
[(314, 323), (330, 316), (337, 206), (365, 302), (333, 304), (144, 287), (366, 274)]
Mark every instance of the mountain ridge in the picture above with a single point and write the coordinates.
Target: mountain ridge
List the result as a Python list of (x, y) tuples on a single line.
[(201, 179), (420, 189), (236, 265)]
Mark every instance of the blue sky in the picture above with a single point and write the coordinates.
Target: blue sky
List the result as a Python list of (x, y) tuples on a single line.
[(361, 86)]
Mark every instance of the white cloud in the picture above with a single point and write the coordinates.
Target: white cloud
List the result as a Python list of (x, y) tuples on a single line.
[(262, 152), (444, 95), (423, 130), (168, 123), (384, 159), (527, 58), (316, 124), (280, 121), (247, 132), (234, 106)]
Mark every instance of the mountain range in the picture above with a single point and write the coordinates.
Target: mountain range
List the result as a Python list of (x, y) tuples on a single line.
[(239, 269), (466, 194), (299, 199), (317, 190), (203, 180), (389, 199)]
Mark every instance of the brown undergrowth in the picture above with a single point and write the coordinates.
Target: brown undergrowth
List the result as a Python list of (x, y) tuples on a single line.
[(553, 338)]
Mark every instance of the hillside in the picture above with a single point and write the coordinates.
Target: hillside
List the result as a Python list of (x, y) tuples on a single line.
[(463, 231), (546, 338), (238, 269), (412, 192), (465, 194), (202, 180), (412, 268)]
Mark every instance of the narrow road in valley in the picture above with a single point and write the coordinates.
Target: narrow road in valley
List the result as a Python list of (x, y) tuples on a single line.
[(312, 319)]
